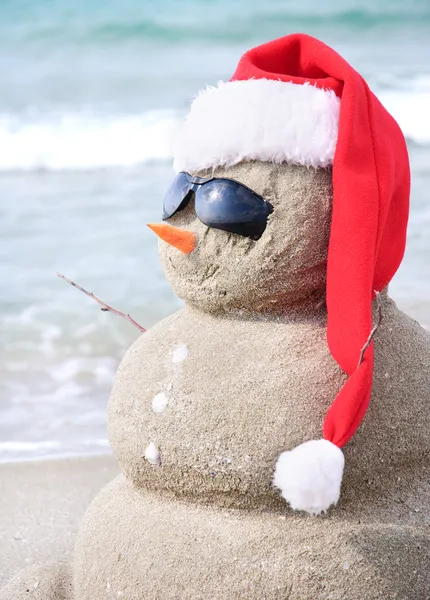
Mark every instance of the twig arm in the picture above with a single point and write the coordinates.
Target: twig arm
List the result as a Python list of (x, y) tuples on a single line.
[(374, 330), (105, 307)]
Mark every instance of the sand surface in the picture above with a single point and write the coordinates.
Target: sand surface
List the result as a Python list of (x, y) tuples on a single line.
[(41, 506)]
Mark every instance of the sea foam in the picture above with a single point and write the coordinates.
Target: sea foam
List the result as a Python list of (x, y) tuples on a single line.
[(409, 105), (84, 140)]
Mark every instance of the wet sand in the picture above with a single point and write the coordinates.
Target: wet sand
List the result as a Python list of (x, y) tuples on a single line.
[(41, 505)]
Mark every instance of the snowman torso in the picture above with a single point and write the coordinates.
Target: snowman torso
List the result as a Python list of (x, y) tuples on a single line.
[(219, 398)]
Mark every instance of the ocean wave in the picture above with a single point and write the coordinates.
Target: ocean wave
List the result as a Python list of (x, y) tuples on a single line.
[(27, 446), (231, 28), (85, 141), (410, 108), (18, 451), (228, 24), (82, 141)]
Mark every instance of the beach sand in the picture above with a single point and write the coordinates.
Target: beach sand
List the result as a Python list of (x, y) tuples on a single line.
[(41, 506)]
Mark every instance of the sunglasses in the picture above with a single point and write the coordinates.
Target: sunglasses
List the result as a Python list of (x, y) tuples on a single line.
[(219, 203)]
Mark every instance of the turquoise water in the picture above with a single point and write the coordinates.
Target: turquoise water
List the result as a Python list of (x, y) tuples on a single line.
[(90, 96)]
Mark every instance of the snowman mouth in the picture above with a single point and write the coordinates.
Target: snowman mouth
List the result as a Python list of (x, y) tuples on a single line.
[(220, 203)]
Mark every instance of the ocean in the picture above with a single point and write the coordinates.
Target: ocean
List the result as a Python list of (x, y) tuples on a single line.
[(90, 96)]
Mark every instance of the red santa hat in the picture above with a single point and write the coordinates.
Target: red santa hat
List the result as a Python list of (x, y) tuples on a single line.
[(295, 100)]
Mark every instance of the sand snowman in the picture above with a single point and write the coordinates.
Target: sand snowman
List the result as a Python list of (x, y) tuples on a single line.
[(287, 216)]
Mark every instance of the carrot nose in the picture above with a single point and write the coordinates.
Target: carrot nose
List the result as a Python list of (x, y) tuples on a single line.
[(183, 240)]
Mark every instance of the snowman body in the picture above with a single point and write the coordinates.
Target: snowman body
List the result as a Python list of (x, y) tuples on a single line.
[(204, 403), (206, 522)]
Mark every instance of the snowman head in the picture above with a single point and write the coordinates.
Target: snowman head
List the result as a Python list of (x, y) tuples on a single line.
[(251, 237)]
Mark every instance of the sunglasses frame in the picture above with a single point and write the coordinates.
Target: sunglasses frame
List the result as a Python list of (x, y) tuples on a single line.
[(197, 182)]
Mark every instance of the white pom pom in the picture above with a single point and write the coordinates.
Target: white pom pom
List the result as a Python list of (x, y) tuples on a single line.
[(310, 476)]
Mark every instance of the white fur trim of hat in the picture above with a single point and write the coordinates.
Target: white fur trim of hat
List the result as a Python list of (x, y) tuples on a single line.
[(259, 119)]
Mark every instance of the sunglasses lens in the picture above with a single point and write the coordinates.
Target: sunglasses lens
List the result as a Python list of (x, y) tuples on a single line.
[(229, 206), (177, 196)]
